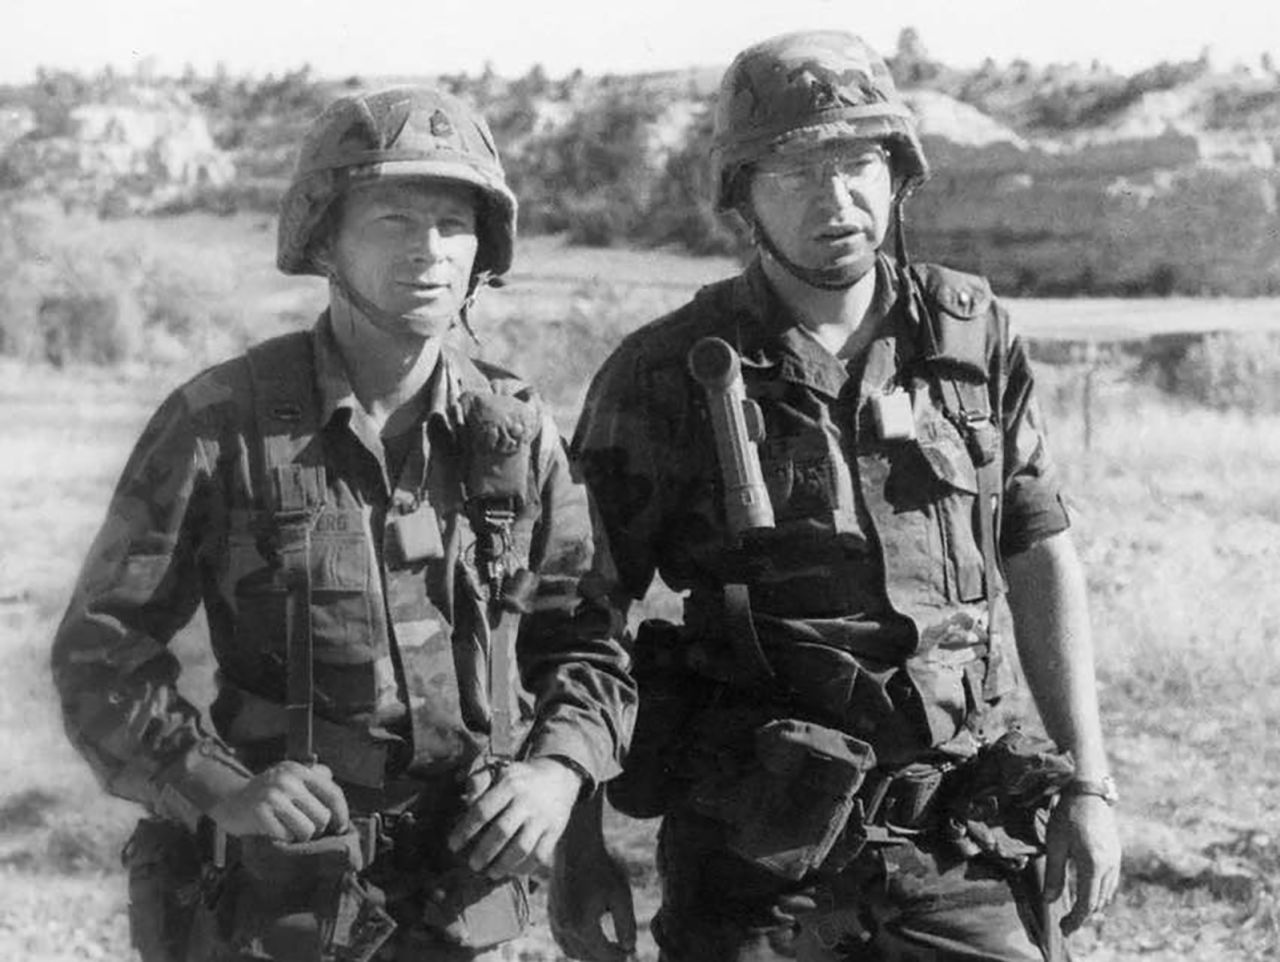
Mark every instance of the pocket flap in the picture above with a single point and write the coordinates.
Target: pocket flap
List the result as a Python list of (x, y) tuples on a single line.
[(826, 758), (946, 453)]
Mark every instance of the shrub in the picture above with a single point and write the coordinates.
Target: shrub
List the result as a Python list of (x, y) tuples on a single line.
[(681, 207), (75, 290), (66, 289), (601, 218), (1232, 371)]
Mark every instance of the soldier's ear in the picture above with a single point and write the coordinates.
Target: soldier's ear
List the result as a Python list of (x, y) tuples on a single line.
[(321, 250), (325, 234)]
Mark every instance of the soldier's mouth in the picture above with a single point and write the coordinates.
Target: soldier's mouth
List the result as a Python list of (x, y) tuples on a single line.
[(839, 233)]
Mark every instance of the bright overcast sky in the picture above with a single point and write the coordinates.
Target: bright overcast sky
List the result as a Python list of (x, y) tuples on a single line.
[(434, 36)]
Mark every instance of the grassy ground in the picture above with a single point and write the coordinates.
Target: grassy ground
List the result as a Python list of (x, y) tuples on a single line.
[(1177, 515)]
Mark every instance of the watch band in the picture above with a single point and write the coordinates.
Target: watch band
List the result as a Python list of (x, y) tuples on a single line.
[(1104, 788)]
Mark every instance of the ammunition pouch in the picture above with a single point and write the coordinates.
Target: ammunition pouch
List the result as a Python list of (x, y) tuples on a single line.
[(304, 900), (163, 863), (788, 802)]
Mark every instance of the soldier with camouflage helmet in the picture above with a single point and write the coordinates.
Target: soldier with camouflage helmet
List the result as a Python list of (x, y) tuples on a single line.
[(387, 543), (838, 459)]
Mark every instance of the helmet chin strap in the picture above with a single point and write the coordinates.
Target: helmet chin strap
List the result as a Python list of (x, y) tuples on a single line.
[(839, 278), (372, 311)]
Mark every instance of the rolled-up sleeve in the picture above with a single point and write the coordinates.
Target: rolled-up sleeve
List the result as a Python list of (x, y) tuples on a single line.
[(1033, 506)]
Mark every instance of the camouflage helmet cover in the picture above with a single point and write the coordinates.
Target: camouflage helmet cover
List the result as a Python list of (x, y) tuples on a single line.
[(800, 89), (395, 132)]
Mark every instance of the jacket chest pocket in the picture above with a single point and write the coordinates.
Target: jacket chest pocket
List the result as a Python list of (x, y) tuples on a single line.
[(799, 475), (808, 482), (341, 604), (954, 482)]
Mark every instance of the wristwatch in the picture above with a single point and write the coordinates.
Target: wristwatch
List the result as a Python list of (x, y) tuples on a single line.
[(1104, 788)]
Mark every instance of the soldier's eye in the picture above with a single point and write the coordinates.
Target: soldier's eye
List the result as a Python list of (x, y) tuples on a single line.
[(454, 225)]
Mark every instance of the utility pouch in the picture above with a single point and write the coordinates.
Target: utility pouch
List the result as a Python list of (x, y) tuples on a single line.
[(163, 862), (476, 912), (499, 434), (306, 901), (999, 807), (786, 812), (670, 694)]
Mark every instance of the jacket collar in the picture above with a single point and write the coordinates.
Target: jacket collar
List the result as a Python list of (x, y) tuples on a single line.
[(454, 375), (770, 337)]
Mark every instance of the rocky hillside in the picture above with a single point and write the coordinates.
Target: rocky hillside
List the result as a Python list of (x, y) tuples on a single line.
[(1060, 179)]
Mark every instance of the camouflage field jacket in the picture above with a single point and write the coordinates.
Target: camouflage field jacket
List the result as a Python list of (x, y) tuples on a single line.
[(182, 530), (876, 550)]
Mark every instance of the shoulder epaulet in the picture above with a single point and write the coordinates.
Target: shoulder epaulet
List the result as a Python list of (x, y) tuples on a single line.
[(286, 414), (962, 295)]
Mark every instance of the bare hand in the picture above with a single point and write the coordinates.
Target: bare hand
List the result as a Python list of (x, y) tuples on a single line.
[(1082, 833), (515, 818), (290, 802), (588, 883)]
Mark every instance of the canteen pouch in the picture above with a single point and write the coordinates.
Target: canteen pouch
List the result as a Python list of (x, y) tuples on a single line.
[(499, 434), (305, 901), (476, 912), (464, 908), (795, 798)]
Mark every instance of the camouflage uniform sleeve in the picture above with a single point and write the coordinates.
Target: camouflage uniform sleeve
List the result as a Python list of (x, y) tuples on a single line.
[(1033, 504), (617, 451), (139, 585), (570, 650)]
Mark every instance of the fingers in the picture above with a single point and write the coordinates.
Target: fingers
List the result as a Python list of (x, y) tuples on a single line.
[(302, 821), (479, 782), (265, 822), (1110, 886), (485, 807), (513, 843), (305, 799), (505, 847), (289, 802), (319, 780), (1095, 890), (1086, 902)]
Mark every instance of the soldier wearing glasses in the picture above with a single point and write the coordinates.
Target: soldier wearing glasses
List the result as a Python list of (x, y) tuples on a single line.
[(838, 458)]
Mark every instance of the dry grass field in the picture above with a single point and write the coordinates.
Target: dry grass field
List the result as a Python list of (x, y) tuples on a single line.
[(1177, 514)]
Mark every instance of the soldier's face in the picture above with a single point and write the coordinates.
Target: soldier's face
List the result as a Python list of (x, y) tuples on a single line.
[(409, 246), (827, 206)]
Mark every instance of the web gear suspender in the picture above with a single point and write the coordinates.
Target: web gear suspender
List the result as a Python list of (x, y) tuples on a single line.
[(967, 405), (290, 476), (492, 525)]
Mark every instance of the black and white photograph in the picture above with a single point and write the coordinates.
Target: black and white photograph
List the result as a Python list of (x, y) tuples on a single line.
[(639, 482)]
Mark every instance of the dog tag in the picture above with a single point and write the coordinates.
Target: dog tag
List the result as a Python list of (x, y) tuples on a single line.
[(895, 420)]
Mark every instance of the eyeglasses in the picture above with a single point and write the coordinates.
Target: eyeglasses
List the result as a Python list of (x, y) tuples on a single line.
[(855, 168)]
